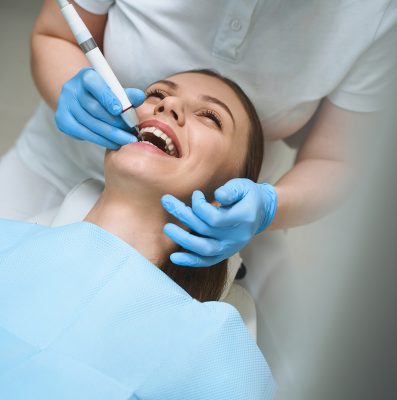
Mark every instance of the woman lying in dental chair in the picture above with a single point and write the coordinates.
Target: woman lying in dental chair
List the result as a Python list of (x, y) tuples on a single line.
[(95, 309)]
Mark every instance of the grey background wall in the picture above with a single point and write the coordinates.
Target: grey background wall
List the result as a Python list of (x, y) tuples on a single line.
[(18, 96)]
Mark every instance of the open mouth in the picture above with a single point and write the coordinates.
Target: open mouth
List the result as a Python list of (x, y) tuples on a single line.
[(156, 137)]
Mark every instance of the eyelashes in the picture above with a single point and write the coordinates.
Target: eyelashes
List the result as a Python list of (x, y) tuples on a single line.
[(210, 114), (156, 93), (213, 116)]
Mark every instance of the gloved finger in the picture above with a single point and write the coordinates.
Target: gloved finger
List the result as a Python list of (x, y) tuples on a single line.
[(202, 246), (96, 85), (73, 128), (232, 191), (100, 128), (136, 96), (94, 108), (194, 260), (185, 214), (211, 215)]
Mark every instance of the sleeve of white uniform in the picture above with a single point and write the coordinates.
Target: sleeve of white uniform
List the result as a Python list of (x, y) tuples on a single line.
[(365, 86), (95, 6)]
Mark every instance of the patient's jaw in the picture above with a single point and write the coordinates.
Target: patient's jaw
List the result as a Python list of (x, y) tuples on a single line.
[(206, 128)]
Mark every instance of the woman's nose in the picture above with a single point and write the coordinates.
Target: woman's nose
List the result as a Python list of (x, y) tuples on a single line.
[(173, 107)]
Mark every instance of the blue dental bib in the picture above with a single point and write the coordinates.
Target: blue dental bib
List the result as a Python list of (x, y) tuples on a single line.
[(83, 315)]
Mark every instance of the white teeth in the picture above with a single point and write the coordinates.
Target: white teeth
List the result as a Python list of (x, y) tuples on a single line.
[(148, 129), (169, 145)]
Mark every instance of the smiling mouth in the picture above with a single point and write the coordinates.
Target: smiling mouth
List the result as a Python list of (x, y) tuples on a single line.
[(158, 138)]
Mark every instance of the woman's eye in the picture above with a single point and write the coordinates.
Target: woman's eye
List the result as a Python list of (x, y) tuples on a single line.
[(156, 93), (212, 116)]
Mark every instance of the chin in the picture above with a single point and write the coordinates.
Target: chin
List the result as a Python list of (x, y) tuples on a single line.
[(136, 171), (132, 161), (132, 167)]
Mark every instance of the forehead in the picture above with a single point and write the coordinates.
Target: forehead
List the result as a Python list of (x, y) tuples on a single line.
[(202, 84)]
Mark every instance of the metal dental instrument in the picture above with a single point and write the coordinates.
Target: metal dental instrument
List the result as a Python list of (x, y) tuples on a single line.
[(97, 60)]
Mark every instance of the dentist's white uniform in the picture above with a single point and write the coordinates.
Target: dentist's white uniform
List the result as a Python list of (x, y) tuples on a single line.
[(286, 55)]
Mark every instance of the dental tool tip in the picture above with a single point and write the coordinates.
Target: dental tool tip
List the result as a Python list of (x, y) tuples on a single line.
[(129, 117)]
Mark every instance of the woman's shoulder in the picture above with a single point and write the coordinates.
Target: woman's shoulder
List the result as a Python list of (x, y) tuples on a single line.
[(224, 355), (12, 232)]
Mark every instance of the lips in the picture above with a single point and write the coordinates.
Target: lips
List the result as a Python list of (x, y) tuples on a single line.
[(166, 129)]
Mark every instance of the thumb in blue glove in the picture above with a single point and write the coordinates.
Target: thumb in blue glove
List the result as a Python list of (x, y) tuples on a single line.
[(236, 189)]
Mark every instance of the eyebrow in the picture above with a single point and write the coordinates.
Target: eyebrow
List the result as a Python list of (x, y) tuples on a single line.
[(209, 99), (171, 84)]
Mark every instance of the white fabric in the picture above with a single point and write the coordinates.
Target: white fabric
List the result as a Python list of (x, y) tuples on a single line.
[(23, 192), (78, 202), (271, 281), (245, 305), (63, 161)]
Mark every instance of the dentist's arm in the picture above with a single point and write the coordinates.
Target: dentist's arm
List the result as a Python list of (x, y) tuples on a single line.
[(55, 55), (324, 166), (86, 108), (308, 191)]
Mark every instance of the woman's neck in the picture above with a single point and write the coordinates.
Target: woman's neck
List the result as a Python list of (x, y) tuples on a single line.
[(137, 221)]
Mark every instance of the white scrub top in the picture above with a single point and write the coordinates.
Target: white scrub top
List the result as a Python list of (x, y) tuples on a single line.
[(286, 55)]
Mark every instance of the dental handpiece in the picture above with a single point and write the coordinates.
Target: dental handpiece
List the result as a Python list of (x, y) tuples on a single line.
[(97, 60)]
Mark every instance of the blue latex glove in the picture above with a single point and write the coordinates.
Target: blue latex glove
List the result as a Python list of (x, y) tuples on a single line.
[(88, 110), (247, 209)]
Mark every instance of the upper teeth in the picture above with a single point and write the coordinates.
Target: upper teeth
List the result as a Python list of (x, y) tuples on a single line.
[(169, 145)]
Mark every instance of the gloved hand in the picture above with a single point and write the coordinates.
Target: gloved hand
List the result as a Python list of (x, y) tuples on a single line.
[(88, 110), (247, 208)]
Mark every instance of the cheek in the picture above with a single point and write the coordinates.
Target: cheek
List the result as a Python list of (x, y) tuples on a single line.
[(214, 160), (238, 154), (208, 147)]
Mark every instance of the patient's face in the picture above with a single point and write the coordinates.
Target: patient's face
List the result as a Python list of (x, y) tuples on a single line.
[(195, 133)]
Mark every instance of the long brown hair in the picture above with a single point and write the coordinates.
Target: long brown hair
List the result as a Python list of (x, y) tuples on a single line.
[(207, 283)]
